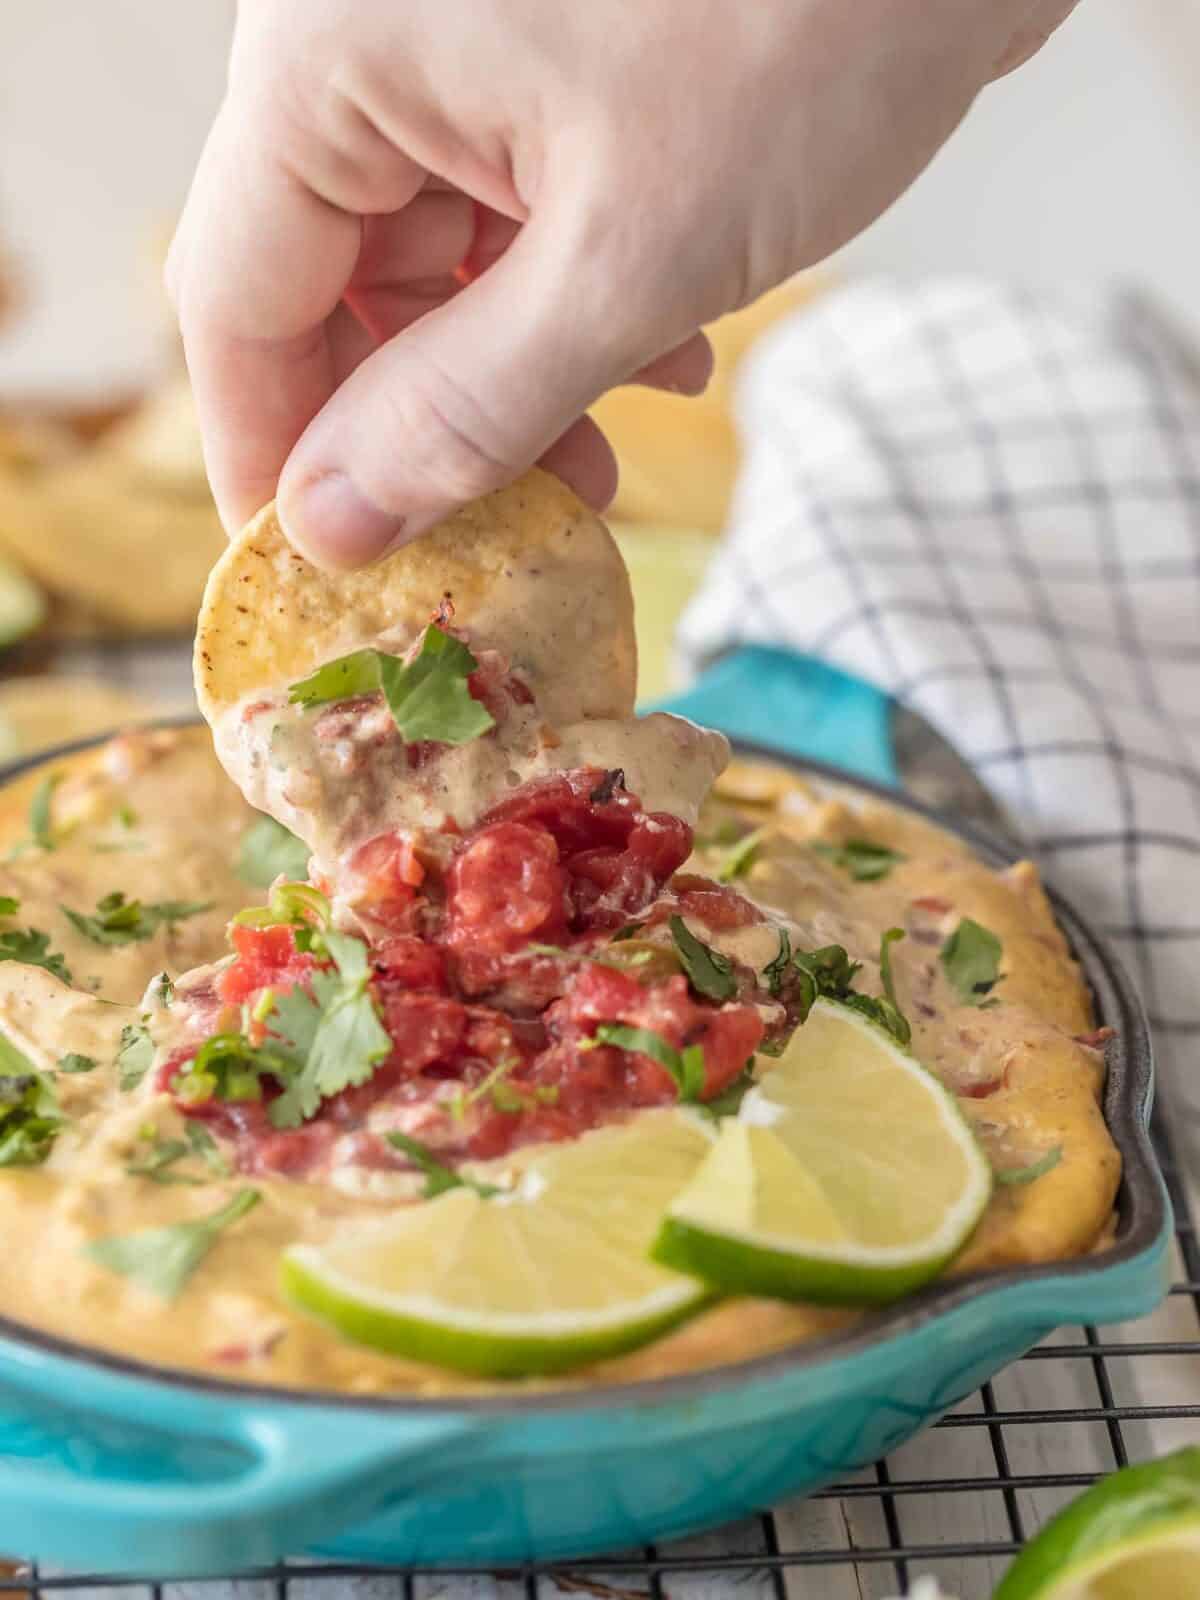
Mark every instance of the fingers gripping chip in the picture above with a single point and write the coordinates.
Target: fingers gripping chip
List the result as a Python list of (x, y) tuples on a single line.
[(528, 571)]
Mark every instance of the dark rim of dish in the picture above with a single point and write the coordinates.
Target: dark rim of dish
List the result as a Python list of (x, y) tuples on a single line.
[(1141, 1200)]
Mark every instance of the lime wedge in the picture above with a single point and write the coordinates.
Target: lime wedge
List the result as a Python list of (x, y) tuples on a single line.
[(22, 605), (1133, 1536), (849, 1175), (530, 1281)]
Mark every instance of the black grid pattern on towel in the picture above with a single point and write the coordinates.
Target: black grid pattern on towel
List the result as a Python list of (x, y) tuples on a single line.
[(913, 530), (873, 1537)]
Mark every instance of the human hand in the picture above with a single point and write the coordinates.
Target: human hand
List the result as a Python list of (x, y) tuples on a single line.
[(609, 175)]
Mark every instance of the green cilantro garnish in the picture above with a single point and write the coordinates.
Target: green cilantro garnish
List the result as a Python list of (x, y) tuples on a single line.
[(32, 947), (428, 696), (41, 827), (135, 1053), (121, 921), (160, 991), (438, 1178), (157, 1161), (316, 1044), (333, 1036), (738, 861), (163, 1259), (970, 959), (865, 861), (685, 1066), (341, 679), (30, 1120), (9, 905), (627, 932), (73, 1062), (268, 851), (127, 816), (776, 970), (887, 940), (708, 971), (229, 1067), (830, 973), (826, 971), (296, 905), (1015, 1177)]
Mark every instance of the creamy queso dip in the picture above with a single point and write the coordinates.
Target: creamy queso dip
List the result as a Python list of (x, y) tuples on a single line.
[(1027, 1070)]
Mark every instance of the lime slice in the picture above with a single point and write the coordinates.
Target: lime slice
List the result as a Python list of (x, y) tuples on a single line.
[(22, 605), (848, 1176), (1132, 1536), (537, 1279)]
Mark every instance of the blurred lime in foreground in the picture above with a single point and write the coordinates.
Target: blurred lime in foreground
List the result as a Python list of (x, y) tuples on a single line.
[(1134, 1536)]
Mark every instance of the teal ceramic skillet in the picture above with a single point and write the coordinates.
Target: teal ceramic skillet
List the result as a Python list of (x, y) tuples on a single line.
[(115, 1466)]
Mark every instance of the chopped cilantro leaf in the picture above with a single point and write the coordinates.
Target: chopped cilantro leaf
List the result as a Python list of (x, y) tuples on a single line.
[(127, 816), (268, 851), (163, 1259), (157, 1160), (134, 1056), (742, 856), (708, 971), (865, 861), (41, 827), (160, 1157), (121, 921), (627, 932), (9, 905), (438, 1178), (1016, 1177), (29, 1116), (685, 1066), (334, 1036), (342, 679), (229, 1067), (830, 973), (887, 940), (32, 947), (73, 1062), (970, 959), (428, 695), (776, 970)]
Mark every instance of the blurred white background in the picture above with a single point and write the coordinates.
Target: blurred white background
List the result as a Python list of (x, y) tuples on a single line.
[(1080, 169)]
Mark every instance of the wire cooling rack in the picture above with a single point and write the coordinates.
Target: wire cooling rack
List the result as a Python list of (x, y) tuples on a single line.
[(956, 1503)]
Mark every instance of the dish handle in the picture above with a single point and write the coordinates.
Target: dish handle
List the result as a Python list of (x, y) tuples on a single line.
[(794, 704), (114, 1497)]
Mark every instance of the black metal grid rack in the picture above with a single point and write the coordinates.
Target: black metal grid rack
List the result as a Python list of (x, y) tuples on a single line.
[(956, 1503)]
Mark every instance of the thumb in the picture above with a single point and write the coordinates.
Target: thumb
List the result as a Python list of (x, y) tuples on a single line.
[(459, 403)]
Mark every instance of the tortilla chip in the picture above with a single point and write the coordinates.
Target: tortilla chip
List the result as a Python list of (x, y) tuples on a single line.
[(529, 571), (97, 532), (679, 456), (160, 442), (38, 713)]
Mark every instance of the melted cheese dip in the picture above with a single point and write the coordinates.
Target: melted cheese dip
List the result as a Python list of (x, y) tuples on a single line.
[(1024, 1072)]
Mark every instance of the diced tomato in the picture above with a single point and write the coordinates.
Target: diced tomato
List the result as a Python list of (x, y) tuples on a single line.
[(425, 1028), (411, 963), (506, 888), (718, 907), (266, 958)]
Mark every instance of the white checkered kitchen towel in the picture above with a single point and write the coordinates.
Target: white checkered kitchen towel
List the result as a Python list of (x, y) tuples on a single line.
[(991, 508)]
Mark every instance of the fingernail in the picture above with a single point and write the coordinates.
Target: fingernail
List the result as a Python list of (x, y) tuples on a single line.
[(332, 523)]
